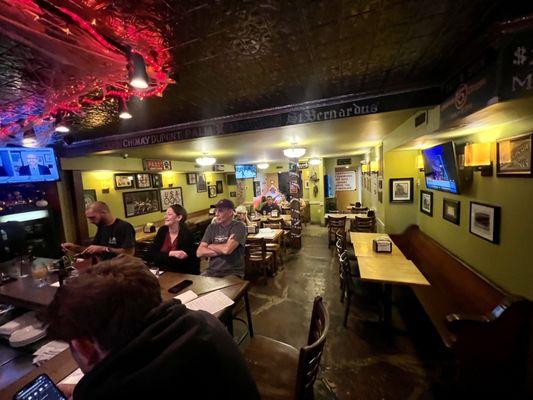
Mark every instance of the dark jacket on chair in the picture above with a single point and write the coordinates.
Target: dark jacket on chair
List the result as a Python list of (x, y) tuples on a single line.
[(190, 265)]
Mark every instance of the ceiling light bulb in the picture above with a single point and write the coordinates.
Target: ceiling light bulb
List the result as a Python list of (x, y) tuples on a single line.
[(262, 165), (315, 161), (205, 160), (62, 128), (123, 112), (125, 115)]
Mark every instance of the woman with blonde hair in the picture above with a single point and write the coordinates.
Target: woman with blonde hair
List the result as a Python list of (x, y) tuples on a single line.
[(241, 214)]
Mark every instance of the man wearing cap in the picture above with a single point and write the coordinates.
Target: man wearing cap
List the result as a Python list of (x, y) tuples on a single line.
[(223, 243)]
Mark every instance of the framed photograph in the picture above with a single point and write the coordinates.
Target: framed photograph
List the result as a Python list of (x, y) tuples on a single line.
[(157, 180), (257, 188), (212, 191), (220, 187), (485, 221), (141, 202), (201, 185), (170, 197), (191, 178), (143, 180), (89, 197), (401, 190), (232, 194), (451, 211), (426, 202), (124, 181), (306, 184), (514, 156)]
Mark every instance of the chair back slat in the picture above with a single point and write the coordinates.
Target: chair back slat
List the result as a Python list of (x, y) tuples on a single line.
[(336, 222), (363, 224), (310, 355)]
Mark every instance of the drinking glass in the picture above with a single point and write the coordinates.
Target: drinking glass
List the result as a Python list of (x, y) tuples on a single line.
[(39, 273)]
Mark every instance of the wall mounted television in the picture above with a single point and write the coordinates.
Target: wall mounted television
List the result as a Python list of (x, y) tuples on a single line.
[(27, 165), (440, 168), (245, 171)]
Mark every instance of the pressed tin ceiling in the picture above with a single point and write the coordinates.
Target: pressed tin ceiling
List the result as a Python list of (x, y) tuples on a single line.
[(233, 57)]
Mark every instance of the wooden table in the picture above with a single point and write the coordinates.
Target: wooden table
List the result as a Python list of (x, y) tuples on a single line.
[(63, 364), (286, 218), (275, 238), (386, 268)]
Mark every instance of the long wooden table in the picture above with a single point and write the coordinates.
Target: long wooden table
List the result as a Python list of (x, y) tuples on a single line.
[(386, 268), (62, 365), (275, 238)]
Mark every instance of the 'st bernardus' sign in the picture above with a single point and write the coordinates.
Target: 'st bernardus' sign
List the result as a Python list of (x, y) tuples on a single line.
[(310, 112)]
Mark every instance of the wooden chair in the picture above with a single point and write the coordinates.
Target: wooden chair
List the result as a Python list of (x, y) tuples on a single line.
[(280, 371), (363, 224), (335, 224), (359, 210), (275, 247), (258, 258), (347, 278), (285, 242)]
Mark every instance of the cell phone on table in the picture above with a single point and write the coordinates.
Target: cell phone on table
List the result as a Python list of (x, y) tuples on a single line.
[(40, 388), (180, 286)]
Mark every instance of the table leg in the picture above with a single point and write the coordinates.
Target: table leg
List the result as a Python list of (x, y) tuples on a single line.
[(387, 305), (248, 314)]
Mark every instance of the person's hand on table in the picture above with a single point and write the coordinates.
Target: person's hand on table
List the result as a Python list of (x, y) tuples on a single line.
[(179, 254), (69, 246), (67, 389), (94, 249)]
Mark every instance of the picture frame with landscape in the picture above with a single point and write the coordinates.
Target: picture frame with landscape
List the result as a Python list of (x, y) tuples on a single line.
[(514, 156), (124, 181), (451, 211), (426, 202), (140, 202), (485, 221), (401, 190)]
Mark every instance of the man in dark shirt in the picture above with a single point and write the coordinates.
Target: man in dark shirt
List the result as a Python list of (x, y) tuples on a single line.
[(223, 243), (269, 206), (114, 236), (33, 167), (131, 345)]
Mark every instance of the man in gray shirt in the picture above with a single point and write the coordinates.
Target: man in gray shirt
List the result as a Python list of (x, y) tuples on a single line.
[(223, 243)]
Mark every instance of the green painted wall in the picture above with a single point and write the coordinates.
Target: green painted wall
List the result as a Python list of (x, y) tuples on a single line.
[(316, 203)]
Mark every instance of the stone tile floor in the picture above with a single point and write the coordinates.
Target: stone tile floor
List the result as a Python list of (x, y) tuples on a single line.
[(360, 361)]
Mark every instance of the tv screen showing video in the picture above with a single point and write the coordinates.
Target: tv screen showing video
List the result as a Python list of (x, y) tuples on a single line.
[(440, 168), (25, 165), (245, 171)]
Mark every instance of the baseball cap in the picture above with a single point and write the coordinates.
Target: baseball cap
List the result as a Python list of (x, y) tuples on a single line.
[(225, 203)]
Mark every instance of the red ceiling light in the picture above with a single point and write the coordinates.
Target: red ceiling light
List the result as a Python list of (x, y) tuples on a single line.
[(137, 71)]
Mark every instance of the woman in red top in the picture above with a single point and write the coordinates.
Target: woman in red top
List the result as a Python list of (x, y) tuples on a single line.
[(173, 248)]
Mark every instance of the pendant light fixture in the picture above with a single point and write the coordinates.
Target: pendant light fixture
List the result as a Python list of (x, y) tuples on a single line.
[(61, 127), (123, 112), (294, 152), (29, 138), (137, 71), (205, 160)]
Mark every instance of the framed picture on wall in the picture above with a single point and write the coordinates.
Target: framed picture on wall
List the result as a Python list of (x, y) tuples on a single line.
[(157, 180), (426, 202), (140, 202), (401, 190), (485, 221), (257, 188), (89, 197), (232, 194), (451, 211), (170, 197), (514, 156), (143, 180), (220, 187), (212, 191), (124, 181), (201, 185), (191, 178)]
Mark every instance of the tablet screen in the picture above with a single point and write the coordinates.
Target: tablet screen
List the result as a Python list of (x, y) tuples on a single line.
[(40, 388)]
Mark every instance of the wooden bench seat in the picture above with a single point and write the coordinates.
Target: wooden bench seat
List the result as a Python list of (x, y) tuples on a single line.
[(481, 323)]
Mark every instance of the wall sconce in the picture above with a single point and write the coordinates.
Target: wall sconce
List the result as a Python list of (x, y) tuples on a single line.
[(104, 183), (477, 155), (364, 168), (420, 162), (374, 166)]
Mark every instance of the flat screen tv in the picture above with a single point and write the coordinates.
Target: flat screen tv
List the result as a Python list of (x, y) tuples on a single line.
[(440, 168), (245, 171), (26, 165)]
